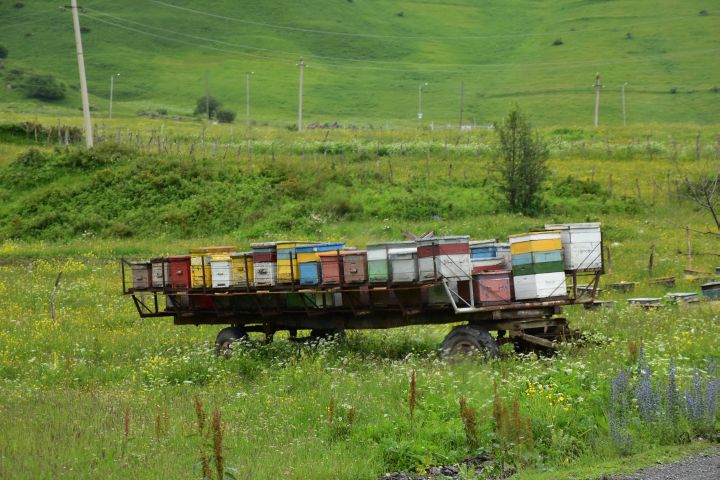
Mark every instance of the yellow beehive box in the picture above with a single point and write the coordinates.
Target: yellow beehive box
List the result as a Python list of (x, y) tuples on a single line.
[(535, 242), (243, 273), (288, 266), (200, 267)]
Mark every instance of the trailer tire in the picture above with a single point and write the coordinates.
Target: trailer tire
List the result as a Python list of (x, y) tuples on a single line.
[(226, 337), (469, 339)]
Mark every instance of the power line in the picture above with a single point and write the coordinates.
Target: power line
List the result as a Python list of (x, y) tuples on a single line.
[(424, 37), (209, 47), (51, 16), (433, 66)]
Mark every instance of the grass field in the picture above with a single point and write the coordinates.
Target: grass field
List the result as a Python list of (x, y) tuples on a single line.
[(102, 393), (367, 58)]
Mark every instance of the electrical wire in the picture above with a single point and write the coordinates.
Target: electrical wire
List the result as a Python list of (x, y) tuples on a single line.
[(433, 66), (423, 37), (51, 16)]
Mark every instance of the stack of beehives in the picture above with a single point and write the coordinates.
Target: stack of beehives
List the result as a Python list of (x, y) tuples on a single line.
[(535, 262)]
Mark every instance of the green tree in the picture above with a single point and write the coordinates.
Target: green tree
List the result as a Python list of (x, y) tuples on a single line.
[(208, 105), (224, 115), (44, 87), (521, 163)]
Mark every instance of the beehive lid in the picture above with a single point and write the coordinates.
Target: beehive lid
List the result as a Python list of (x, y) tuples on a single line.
[(140, 264), (157, 260), (179, 257), (402, 251), (479, 243), (353, 252), (240, 254), (258, 245)]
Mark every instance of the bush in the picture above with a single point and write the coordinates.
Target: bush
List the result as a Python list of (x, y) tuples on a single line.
[(44, 87), (703, 13), (225, 116), (521, 163), (673, 90), (558, 41), (3, 52), (208, 105), (84, 30), (18, 5)]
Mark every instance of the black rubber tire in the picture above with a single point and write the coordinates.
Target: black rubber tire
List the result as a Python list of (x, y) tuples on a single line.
[(467, 340), (327, 334), (227, 336)]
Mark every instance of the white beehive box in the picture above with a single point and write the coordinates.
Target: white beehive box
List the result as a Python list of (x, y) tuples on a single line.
[(542, 285), (403, 265), (221, 273), (265, 273), (582, 245)]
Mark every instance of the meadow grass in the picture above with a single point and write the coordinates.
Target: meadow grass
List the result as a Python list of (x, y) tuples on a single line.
[(504, 54), (103, 393)]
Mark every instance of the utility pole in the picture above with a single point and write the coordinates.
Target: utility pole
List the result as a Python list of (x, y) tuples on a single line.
[(207, 96), (420, 115), (622, 95), (247, 95), (300, 98), (462, 97), (83, 80), (597, 86), (112, 84)]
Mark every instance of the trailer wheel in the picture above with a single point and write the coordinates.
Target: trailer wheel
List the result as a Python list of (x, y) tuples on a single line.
[(469, 339), (227, 336)]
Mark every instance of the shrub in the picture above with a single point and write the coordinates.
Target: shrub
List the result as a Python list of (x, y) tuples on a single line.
[(703, 13), (18, 5), (225, 116), (400, 14), (207, 105), (44, 87), (84, 30), (673, 90), (521, 163), (628, 36), (3, 52), (558, 41)]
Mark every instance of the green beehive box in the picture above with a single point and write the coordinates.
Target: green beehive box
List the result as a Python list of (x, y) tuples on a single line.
[(520, 270), (548, 267)]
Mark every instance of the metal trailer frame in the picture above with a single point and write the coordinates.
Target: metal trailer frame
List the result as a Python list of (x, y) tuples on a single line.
[(532, 323)]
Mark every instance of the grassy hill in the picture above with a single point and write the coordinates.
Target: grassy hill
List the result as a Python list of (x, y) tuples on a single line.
[(366, 58)]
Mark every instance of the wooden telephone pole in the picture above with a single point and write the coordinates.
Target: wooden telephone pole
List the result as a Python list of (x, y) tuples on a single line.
[(83, 80)]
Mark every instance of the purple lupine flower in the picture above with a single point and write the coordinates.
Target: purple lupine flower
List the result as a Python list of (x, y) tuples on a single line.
[(646, 397), (672, 400)]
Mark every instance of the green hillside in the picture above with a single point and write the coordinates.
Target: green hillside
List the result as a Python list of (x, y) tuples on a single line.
[(366, 58)]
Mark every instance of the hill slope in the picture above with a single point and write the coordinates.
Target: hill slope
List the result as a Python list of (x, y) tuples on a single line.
[(367, 58)]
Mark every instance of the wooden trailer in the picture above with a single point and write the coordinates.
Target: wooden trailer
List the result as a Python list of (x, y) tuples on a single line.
[(333, 309)]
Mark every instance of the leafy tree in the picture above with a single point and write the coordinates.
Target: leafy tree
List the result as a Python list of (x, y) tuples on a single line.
[(225, 116), (3, 52), (521, 163), (44, 87), (208, 105)]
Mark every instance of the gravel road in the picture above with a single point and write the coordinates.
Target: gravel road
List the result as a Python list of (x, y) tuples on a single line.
[(705, 466)]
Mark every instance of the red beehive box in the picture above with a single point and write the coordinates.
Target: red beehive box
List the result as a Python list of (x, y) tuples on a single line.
[(492, 287), (179, 271), (332, 268), (354, 267)]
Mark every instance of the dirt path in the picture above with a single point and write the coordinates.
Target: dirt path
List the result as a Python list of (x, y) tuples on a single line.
[(705, 466)]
